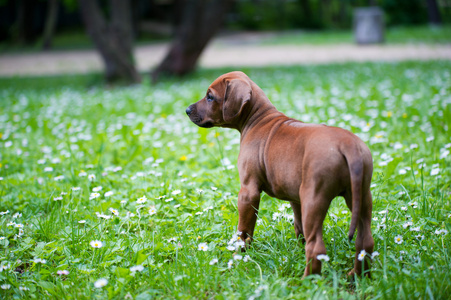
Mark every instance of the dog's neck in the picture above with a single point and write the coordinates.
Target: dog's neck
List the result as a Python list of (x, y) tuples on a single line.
[(257, 113)]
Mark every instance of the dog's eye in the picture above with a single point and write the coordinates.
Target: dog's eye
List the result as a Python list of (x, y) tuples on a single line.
[(210, 98)]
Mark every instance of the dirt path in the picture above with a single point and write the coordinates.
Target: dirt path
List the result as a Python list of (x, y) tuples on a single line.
[(223, 52)]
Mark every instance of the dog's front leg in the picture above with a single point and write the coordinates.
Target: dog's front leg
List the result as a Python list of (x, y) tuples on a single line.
[(248, 202)]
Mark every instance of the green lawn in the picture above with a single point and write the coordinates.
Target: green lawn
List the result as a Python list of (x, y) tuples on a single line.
[(83, 163), (393, 35), (78, 39)]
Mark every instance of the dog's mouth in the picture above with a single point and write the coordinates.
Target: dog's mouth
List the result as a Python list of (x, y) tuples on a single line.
[(200, 122), (207, 124)]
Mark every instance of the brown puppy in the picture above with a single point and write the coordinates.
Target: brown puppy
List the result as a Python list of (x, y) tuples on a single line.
[(306, 164)]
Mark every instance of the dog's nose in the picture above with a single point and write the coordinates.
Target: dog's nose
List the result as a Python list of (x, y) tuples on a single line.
[(188, 110)]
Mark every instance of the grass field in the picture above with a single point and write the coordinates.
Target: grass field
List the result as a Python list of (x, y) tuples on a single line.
[(113, 193), (70, 40)]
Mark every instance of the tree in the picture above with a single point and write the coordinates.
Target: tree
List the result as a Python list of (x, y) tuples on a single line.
[(199, 21), (50, 24), (113, 39), (434, 12)]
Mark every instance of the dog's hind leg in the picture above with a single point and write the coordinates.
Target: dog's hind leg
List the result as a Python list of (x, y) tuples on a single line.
[(314, 207)]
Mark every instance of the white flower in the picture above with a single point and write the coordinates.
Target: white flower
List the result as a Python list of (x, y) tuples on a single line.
[(398, 239), (10, 224), (57, 198), (82, 221), (2, 238), (5, 286), (444, 154), (231, 248), (374, 254), (138, 268), (246, 258), (213, 261), (92, 177), (108, 194), (18, 225), (441, 231), (141, 200), (407, 224), (152, 210), (403, 208), (361, 255), (208, 208), (96, 244), (176, 192), (38, 260), (229, 264), (94, 196), (169, 200), (59, 178), (435, 171), (76, 188), (62, 272), (417, 229), (82, 174), (48, 169), (100, 283), (97, 189), (323, 257), (214, 188), (114, 211), (237, 257), (202, 247), (4, 212), (23, 288)]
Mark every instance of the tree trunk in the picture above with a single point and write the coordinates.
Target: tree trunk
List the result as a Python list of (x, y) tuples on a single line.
[(113, 39), (25, 33), (50, 24), (434, 12), (200, 20)]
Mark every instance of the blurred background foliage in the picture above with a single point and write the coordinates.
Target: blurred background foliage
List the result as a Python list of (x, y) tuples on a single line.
[(23, 21)]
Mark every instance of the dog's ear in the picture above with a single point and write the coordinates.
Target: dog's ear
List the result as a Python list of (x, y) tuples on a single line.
[(238, 93)]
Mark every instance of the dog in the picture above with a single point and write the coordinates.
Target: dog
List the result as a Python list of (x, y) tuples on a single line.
[(306, 164)]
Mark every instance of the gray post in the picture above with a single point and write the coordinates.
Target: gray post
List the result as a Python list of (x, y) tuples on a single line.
[(369, 25)]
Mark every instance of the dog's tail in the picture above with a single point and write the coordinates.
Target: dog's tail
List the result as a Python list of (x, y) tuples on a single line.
[(355, 165)]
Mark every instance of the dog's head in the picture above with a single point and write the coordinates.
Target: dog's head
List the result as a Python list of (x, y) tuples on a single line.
[(224, 103)]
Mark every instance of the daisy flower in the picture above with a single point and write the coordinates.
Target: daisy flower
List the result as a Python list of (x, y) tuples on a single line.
[(152, 210), (323, 257), (176, 192), (398, 239), (96, 244), (94, 196), (141, 200), (91, 177), (237, 257), (97, 189), (361, 255), (101, 283), (229, 264), (136, 268), (213, 261), (114, 211), (108, 194), (202, 247), (62, 272)]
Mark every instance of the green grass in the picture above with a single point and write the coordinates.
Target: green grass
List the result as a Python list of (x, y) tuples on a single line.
[(393, 35), (137, 141), (77, 39)]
